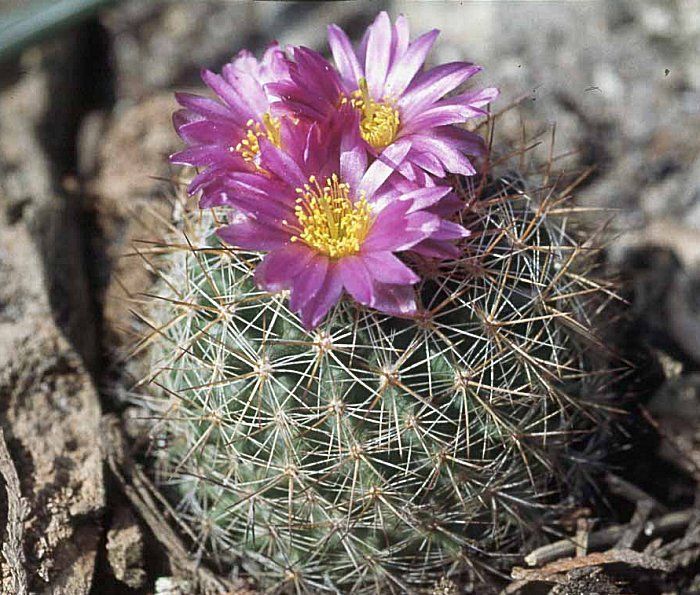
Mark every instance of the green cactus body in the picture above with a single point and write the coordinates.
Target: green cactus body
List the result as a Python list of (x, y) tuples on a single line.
[(374, 454)]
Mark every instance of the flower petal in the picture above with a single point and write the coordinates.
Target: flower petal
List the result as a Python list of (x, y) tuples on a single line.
[(308, 281), (243, 74), (437, 249), (327, 295), (441, 115), (463, 140), (384, 166), (353, 156), (205, 107), (240, 109), (432, 85), (407, 66), (422, 198), (203, 155), (356, 279), (280, 164), (377, 60), (249, 234), (400, 38), (393, 230), (279, 268), (397, 300), (344, 56), (221, 133), (386, 268), (449, 231), (315, 74), (453, 160)]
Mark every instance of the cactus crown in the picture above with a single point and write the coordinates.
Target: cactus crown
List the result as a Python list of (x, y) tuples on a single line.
[(376, 454)]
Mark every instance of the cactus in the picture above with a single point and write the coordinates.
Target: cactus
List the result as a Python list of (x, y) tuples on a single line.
[(375, 453)]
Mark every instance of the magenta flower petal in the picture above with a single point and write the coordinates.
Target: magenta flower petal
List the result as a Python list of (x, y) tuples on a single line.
[(437, 249), (259, 197), (386, 268), (205, 107), (249, 234), (382, 168), (398, 300), (442, 115), (400, 39), (454, 160), (315, 309), (279, 268), (237, 104), (378, 47), (319, 79), (427, 162), (434, 84), (395, 231), (295, 100), (479, 98), (344, 56), (449, 231), (384, 82), (308, 282), (235, 122), (208, 132), (407, 66), (462, 140), (357, 279), (422, 198), (280, 163), (205, 155)]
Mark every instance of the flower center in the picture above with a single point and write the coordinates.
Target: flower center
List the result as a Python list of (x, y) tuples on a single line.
[(249, 147), (380, 119), (330, 221)]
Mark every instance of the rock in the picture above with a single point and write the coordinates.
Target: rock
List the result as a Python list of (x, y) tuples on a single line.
[(125, 549), (36, 188), (50, 415), (588, 582), (168, 585)]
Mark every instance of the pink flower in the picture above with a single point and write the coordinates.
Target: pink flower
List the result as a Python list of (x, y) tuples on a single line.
[(224, 135), (402, 109), (330, 224)]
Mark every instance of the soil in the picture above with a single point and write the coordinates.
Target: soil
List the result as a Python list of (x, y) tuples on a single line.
[(84, 184)]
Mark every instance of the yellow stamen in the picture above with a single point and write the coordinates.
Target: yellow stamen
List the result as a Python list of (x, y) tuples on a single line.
[(249, 146), (380, 119), (329, 220)]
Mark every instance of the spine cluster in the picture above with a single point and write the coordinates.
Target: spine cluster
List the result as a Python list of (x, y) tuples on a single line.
[(375, 453)]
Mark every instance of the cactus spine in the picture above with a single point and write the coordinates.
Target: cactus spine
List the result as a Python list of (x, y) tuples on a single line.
[(375, 454)]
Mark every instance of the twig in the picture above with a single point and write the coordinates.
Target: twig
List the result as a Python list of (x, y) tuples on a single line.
[(636, 525), (685, 550), (557, 572), (140, 492), (17, 510), (613, 556), (583, 530), (607, 537), (630, 492)]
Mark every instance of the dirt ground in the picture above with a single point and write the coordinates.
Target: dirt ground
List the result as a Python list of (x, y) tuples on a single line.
[(85, 128)]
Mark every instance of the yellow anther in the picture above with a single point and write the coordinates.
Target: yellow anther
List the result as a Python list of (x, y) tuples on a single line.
[(380, 120), (249, 145), (329, 221)]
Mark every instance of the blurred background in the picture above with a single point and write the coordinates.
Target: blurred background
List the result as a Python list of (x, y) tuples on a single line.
[(86, 97)]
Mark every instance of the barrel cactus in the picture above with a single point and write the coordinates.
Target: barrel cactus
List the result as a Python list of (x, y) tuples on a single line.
[(402, 431)]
